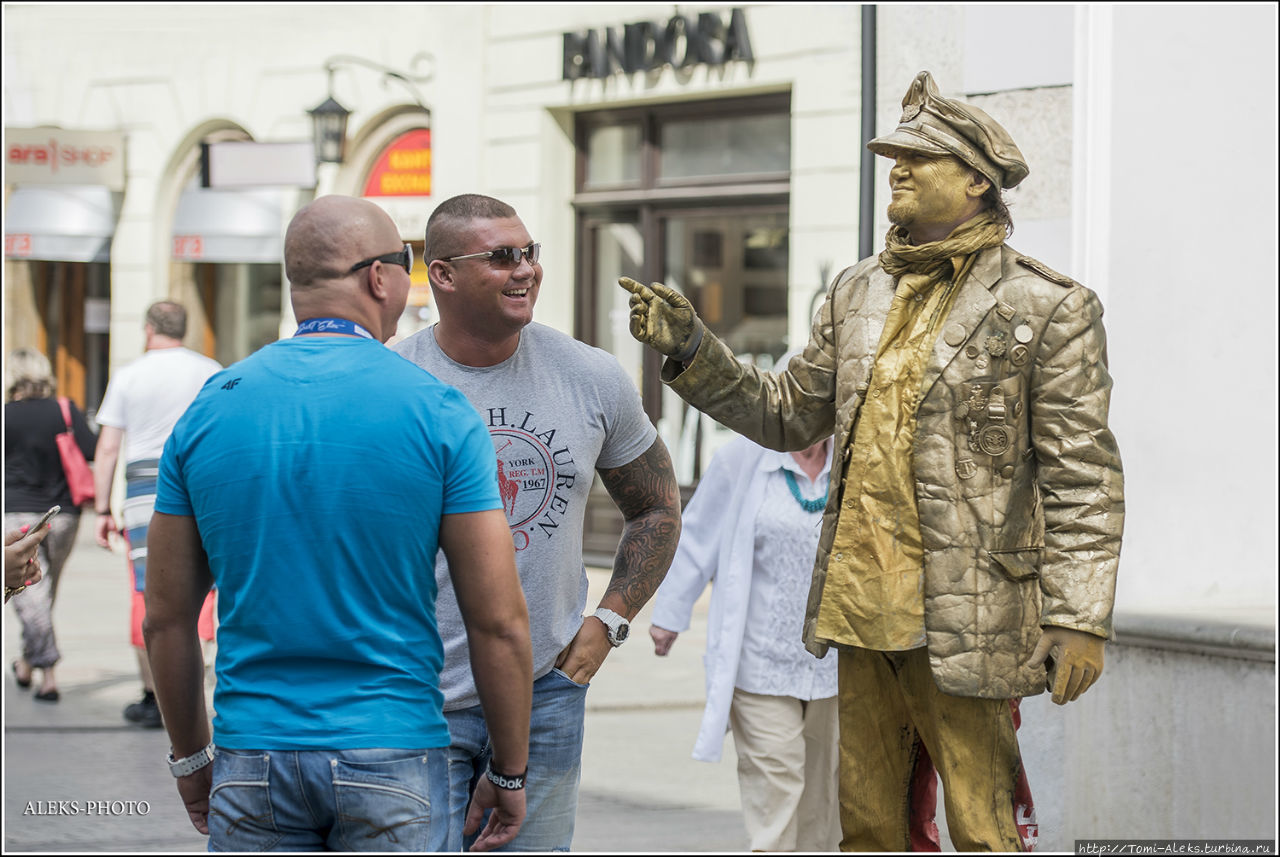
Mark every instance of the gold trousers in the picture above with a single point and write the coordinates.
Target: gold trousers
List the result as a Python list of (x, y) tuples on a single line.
[(889, 706)]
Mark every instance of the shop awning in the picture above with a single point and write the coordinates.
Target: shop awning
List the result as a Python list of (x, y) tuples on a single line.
[(72, 223), (229, 226)]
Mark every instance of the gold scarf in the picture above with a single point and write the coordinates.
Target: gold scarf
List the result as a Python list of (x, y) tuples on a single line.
[(933, 259)]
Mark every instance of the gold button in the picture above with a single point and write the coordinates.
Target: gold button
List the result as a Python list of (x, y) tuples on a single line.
[(1007, 471)]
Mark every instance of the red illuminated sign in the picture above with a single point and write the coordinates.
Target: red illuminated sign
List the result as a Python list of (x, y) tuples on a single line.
[(403, 168)]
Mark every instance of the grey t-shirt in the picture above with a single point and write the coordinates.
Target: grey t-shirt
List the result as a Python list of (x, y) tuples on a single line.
[(556, 411)]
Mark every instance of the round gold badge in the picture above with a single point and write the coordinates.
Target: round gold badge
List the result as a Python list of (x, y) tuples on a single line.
[(995, 439)]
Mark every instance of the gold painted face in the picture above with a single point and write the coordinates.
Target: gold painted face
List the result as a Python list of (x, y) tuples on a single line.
[(932, 196)]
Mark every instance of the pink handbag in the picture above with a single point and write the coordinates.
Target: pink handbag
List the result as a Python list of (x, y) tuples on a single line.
[(79, 476)]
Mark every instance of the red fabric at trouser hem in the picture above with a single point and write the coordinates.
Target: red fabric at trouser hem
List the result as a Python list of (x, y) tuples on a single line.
[(924, 800), (889, 706)]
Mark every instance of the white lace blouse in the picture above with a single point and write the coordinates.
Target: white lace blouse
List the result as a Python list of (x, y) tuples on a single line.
[(774, 660)]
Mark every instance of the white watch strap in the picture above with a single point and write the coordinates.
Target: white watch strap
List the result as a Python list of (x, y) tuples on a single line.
[(187, 766), (617, 624)]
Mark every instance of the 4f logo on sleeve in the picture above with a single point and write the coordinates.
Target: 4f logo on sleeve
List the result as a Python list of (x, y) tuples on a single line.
[(231, 385)]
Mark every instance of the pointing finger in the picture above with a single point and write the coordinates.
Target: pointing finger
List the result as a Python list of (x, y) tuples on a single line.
[(631, 285)]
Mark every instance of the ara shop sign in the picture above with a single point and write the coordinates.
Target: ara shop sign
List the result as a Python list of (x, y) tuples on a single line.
[(57, 156), (403, 168), (681, 41)]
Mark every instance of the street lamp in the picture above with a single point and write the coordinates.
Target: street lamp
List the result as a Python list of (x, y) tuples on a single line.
[(329, 119), (329, 131)]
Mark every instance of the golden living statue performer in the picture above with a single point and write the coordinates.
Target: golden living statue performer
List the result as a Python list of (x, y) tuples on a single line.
[(969, 548)]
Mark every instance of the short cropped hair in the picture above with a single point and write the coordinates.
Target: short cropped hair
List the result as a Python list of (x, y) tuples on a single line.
[(443, 235), (28, 375), (168, 318)]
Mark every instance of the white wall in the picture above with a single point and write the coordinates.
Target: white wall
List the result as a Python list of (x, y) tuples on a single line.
[(1190, 315)]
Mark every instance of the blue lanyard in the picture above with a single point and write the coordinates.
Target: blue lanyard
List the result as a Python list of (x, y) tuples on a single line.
[(332, 325)]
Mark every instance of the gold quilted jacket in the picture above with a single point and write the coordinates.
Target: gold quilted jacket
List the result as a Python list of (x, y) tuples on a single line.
[(1018, 479)]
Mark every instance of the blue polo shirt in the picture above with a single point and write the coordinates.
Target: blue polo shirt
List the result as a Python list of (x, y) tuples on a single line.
[(317, 470)]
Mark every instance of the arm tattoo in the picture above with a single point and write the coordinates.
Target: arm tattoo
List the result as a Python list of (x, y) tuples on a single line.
[(646, 493)]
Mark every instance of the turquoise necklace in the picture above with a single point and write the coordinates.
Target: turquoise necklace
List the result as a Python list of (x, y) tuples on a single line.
[(817, 504)]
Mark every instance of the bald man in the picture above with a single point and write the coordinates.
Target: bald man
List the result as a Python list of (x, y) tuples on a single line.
[(313, 482)]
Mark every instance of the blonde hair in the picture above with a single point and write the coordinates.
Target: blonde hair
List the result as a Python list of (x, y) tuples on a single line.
[(28, 375)]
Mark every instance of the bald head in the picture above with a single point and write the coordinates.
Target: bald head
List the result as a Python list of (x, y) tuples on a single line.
[(328, 236)]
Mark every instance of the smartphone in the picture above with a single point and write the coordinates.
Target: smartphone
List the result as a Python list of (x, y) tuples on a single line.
[(44, 519)]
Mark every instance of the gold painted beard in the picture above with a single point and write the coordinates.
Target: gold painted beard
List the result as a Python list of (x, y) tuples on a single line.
[(903, 212)]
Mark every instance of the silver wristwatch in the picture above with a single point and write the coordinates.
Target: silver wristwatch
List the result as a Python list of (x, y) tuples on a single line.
[(188, 766), (618, 627)]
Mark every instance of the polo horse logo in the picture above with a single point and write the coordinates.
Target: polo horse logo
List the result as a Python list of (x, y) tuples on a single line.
[(507, 487)]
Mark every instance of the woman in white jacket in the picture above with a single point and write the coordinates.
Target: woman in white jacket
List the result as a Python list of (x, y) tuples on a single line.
[(752, 527)]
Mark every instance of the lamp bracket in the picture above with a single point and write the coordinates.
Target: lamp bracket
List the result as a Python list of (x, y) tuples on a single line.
[(407, 79)]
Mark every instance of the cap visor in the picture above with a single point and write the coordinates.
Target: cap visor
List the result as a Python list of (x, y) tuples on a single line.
[(903, 138)]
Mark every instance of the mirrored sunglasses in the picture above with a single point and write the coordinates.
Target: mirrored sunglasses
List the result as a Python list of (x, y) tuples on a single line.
[(504, 257)]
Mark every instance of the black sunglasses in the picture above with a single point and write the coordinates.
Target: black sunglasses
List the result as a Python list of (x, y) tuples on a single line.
[(404, 259), (504, 257)]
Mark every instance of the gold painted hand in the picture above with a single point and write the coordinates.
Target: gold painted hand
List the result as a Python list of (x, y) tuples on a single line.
[(663, 319), (1077, 661)]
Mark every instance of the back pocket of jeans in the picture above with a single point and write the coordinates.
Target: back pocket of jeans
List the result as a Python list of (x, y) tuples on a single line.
[(240, 815), (384, 805)]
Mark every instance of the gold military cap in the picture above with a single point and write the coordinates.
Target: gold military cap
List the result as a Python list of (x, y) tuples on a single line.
[(935, 125)]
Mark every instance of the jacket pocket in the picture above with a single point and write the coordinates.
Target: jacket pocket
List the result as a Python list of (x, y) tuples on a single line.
[(1018, 564)]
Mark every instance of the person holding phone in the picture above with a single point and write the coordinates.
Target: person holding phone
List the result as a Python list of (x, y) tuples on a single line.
[(34, 481), (22, 560)]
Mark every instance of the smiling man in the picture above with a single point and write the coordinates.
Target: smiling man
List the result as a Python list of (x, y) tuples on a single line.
[(314, 482), (969, 547), (558, 411)]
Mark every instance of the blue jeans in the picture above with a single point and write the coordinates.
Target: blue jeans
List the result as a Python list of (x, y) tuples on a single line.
[(336, 800), (555, 764)]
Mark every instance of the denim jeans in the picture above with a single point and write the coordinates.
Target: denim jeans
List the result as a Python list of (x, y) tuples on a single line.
[(555, 763), (335, 800)]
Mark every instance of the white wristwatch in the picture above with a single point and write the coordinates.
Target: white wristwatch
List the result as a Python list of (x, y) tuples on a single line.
[(189, 765), (618, 627)]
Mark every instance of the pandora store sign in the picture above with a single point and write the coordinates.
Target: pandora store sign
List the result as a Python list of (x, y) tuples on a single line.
[(648, 45)]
